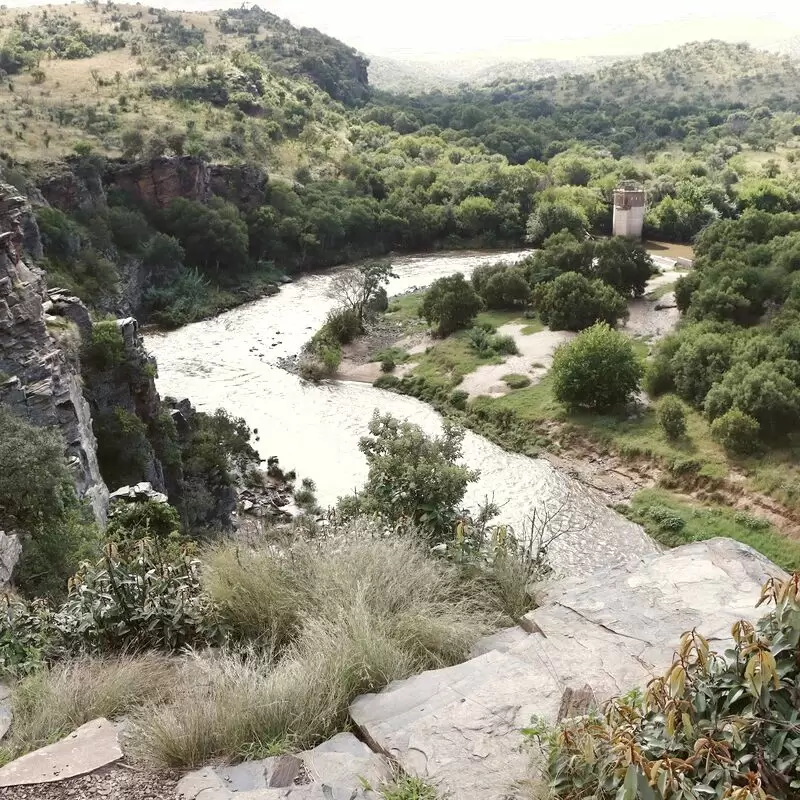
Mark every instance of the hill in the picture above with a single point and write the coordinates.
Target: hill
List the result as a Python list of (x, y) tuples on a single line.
[(239, 84), (394, 75)]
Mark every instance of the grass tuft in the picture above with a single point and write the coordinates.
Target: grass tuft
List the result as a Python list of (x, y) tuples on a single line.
[(369, 611), (52, 703)]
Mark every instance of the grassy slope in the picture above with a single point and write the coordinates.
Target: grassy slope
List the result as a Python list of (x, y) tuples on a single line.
[(33, 112)]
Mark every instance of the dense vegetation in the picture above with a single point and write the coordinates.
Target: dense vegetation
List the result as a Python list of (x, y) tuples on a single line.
[(352, 173), (714, 725)]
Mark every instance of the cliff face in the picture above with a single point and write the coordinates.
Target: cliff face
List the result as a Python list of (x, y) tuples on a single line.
[(36, 378)]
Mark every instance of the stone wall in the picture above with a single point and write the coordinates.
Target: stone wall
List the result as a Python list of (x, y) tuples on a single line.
[(36, 379)]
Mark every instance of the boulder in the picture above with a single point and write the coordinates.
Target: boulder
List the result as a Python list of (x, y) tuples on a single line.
[(10, 551), (594, 637), (90, 747), (139, 493)]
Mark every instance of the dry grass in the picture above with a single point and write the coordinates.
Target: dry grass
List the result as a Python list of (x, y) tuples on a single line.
[(369, 611), (52, 703)]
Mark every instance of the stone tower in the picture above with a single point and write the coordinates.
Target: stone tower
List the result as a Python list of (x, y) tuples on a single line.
[(629, 206)]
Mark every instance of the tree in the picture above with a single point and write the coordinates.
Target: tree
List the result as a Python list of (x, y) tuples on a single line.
[(698, 363), (414, 478), (736, 431), (550, 218), (573, 302), (449, 304), (354, 289), (475, 215), (598, 370), (132, 143), (506, 289), (623, 264), (672, 417)]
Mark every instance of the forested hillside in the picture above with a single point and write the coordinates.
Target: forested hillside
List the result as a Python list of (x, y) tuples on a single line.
[(330, 170)]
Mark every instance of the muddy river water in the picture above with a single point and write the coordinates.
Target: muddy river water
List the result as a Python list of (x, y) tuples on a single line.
[(230, 361)]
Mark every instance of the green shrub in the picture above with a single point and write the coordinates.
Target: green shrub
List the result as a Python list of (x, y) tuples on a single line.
[(413, 478), (573, 302), (106, 350), (515, 381), (737, 432), (450, 304), (735, 709), (598, 370), (665, 518), (458, 399), (386, 382), (342, 325), (672, 417), (388, 365), (140, 603)]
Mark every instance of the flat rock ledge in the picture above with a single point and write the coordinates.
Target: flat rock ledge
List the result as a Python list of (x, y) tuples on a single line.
[(593, 637), (90, 747), (343, 768)]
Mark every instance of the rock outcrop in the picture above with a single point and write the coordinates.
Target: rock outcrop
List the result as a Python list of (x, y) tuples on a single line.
[(36, 379), (594, 637), (159, 181), (343, 768)]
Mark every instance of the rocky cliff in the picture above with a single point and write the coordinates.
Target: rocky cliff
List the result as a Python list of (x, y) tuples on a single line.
[(37, 380)]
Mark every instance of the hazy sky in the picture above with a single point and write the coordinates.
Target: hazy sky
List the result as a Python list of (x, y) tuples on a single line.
[(425, 27)]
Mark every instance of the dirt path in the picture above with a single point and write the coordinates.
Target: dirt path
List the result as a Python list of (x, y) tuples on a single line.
[(118, 782)]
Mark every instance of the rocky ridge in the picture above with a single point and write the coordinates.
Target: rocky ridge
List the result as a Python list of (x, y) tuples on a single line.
[(36, 378)]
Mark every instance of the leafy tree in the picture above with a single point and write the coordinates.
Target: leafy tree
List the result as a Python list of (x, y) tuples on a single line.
[(550, 218), (414, 478), (573, 302), (37, 499), (354, 289), (736, 431), (622, 264), (672, 417), (698, 363), (449, 304), (598, 370), (506, 289), (475, 215), (214, 236)]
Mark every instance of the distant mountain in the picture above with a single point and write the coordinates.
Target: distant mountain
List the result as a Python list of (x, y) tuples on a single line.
[(412, 77)]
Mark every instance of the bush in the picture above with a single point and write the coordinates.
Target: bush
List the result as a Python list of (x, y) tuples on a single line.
[(487, 344), (37, 498), (413, 478), (514, 381), (737, 432), (386, 382), (123, 448), (388, 365), (598, 370), (106, 350), (449, 304), (551, 218), (342, 325), (52, 703), (672, 417), (369, 611), (735, 709), (458, 399), (141, 603), (506, 289), (573, 302)]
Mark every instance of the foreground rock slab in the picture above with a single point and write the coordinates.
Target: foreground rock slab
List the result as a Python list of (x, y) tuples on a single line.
[(343, 768), (90, 747), (594, 637)]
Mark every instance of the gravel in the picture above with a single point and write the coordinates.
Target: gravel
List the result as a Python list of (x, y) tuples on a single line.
[(117, 782)]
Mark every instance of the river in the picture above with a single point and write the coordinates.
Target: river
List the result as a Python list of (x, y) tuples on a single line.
[(230, 361)]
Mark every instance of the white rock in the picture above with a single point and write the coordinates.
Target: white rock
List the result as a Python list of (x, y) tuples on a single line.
[(90, 747), (612, 630)]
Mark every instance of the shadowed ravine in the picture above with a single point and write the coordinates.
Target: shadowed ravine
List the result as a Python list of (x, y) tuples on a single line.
[(231, 361)]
